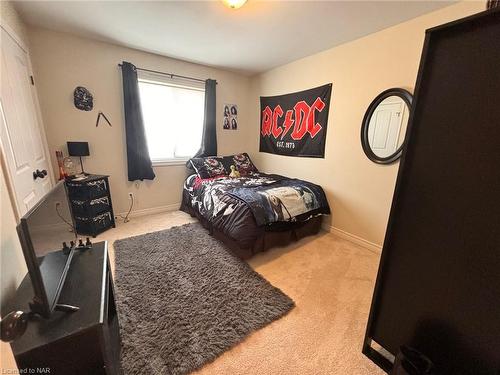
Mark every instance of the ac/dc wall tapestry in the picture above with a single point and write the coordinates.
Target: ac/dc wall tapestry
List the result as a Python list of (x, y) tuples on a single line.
[(295, 124)]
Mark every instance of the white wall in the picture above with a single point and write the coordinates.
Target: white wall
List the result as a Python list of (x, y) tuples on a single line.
[(12, 264), (358, 190), (61, 62), (11, 19)]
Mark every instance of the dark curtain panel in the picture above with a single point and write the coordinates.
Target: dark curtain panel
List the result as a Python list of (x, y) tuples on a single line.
[(490, 4), (209, 138), (138, 161)]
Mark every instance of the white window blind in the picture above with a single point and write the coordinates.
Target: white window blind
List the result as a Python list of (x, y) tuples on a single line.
[(173, 112)]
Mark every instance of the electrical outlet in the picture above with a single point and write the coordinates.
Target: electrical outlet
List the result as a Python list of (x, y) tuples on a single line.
[(131, 195)]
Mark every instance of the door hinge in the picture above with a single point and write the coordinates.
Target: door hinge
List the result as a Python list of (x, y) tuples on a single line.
[(32, 80)]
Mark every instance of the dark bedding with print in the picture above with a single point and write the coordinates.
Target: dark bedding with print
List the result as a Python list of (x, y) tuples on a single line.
[(242, 208)]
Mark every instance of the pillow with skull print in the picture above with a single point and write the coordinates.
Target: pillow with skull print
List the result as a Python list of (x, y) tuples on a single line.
[(208, 167), (242, 163)]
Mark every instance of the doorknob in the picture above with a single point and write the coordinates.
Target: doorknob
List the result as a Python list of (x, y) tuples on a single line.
[(39, 174)]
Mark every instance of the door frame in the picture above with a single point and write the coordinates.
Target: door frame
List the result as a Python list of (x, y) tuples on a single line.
[(3, 160)]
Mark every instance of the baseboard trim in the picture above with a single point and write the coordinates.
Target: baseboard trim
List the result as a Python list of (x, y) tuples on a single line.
[(152, 210), (331, 229), (353, 238)]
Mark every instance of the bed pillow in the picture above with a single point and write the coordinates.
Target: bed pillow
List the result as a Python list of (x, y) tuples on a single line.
[(208, 167), (242, 163)]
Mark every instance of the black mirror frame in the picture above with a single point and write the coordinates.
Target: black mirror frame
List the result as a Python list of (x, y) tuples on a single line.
[(407, 98)]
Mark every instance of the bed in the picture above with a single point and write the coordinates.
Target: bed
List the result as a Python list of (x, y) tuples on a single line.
[(255, 211)]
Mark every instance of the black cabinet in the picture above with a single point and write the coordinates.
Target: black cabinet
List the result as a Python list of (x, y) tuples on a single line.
[(90, 201), (83, 342)]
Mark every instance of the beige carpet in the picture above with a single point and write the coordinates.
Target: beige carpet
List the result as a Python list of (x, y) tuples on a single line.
[(331, 281)]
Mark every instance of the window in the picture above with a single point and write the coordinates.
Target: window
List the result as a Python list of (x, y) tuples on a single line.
[(173, 113)]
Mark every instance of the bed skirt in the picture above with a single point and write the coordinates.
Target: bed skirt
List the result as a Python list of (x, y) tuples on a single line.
[(263, 238)]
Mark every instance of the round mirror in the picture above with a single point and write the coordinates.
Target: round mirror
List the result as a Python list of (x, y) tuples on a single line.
[(383, 131)]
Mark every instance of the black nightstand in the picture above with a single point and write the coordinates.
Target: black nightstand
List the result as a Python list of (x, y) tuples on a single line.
[(90, 201)]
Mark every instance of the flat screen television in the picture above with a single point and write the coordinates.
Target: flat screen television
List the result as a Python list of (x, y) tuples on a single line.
[(42, 232)]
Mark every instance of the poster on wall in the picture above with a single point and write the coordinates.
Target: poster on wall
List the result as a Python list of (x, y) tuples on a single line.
[(230, 117), (295, 124)]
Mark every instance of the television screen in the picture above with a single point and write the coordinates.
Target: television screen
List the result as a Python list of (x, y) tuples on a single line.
[(42, 232), (50, 224)]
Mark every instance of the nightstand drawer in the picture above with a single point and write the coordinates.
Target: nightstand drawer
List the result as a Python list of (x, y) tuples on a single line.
[(94, 225), (89, 208), (89, 190)]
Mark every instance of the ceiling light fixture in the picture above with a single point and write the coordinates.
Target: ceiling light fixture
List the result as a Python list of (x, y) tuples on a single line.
[(234, 4)]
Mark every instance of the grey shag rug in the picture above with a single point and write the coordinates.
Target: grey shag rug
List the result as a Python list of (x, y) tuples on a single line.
[(183, 299)]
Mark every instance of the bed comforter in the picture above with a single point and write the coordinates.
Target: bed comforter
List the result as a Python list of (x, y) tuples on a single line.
[(270, 198)]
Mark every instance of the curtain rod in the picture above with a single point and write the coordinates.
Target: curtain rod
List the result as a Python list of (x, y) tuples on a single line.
[(169, 74)]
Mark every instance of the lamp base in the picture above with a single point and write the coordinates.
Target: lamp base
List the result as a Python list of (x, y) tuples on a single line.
[(81, 165)]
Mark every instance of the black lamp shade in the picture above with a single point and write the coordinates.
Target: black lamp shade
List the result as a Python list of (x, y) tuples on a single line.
[(78, 149)]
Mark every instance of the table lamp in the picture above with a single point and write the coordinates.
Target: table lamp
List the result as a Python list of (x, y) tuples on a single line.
[(78, 149)]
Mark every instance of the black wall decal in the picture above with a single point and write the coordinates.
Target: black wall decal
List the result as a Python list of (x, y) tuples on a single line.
[(82, 98)]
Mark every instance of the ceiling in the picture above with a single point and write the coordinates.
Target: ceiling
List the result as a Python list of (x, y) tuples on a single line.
[(255, 38)]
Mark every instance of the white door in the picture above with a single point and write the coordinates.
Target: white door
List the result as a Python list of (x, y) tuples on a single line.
[(21, 136), (385, 131)]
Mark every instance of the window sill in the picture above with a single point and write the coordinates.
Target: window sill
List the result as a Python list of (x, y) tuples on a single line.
[(168, 163)]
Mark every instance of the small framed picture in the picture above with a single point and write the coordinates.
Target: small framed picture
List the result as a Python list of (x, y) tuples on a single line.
[(230, 118)]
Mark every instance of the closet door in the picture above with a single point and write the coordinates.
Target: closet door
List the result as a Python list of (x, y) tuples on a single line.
[(23, 142)]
